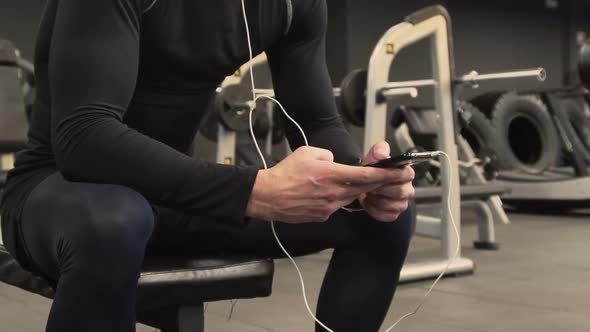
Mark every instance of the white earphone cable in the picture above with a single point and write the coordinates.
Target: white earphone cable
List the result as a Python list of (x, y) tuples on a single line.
[(250, 119)]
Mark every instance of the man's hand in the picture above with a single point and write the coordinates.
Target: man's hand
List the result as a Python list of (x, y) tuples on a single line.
[(308, 186), (387, 202)]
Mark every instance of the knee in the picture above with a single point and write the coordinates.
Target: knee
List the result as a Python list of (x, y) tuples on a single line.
[(112, 231)]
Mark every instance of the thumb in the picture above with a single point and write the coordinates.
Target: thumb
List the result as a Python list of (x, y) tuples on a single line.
[(378, 152)]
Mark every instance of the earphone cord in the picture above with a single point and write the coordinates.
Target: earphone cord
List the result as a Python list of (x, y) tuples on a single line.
[(255, 98)]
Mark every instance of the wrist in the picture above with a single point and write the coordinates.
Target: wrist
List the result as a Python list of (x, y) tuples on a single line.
[(259, 205)]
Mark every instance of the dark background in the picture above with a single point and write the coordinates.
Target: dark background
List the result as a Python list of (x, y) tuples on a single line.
[(488, 35)]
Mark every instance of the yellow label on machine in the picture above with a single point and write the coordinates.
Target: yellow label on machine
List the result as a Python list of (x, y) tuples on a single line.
[(228, 161), (7, 162), (390, 48)]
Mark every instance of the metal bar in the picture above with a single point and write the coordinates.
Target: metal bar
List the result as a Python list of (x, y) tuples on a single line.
[(444, 102), (474, 77), (392, 93), (25, 65), (271, 92), (409, 84), (422, 270), (226, 146), (427, 226)]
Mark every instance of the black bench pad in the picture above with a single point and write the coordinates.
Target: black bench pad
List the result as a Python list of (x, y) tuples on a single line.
[(173, 281)]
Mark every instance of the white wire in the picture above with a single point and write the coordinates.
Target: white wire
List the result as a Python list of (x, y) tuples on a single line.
[(272, 224), (450, 261), (252, 109)]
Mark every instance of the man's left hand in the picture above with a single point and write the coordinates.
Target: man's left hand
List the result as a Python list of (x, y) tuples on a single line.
[(388, 202)]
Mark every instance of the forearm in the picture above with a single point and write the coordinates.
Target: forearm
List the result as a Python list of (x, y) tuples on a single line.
[(100, 149)]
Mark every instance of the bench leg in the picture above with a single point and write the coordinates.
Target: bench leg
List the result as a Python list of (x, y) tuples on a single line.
[(191, 319), (485, 224), (175, 319)]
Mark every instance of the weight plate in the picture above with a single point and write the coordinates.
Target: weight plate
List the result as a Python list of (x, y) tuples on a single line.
[(232, 109), (210, 123), (279, 122), (584, 65), (352, 98)]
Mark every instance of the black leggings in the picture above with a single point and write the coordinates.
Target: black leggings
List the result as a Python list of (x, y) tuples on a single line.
[(91, 239)]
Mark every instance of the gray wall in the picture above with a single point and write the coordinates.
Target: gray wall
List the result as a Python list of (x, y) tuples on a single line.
[(19, 20), (488, 35)]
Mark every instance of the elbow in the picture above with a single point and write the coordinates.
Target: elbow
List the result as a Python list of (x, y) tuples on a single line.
[(67, 165), (67, 159)]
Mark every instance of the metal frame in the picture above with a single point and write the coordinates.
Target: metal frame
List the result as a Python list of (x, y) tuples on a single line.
[(397, 38)]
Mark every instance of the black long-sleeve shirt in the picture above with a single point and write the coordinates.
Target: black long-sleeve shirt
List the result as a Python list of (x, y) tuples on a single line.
[(123, 85)]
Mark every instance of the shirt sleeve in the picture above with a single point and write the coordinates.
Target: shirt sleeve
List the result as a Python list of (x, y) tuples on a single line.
[(303, 85), (93, 65)]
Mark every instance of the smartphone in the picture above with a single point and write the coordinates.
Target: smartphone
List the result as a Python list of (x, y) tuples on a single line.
[(410, 158)]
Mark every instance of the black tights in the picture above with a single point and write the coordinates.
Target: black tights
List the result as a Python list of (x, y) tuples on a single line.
[(90, 239)]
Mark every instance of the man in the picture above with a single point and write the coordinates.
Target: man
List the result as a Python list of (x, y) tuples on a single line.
[(122, 86)]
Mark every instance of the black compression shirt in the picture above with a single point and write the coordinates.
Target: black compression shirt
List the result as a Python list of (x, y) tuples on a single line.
[(123, 85)]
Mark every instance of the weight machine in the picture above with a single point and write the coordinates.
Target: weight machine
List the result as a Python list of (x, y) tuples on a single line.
[(434, 23)]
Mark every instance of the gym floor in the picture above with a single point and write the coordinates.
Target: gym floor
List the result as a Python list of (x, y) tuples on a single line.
[(538, 281)]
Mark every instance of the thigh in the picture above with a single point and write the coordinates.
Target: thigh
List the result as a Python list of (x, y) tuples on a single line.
[(60, 218), (343, 230), (177, 233)]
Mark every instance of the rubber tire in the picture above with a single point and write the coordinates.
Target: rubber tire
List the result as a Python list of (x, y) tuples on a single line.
[(511, 106), (478, 132), (578, 126), (487, 101)]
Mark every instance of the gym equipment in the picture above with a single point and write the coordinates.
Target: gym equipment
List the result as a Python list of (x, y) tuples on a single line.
[(433, 23), (584, 64), (232, 107), (422, 123), (561, 188), (475, 127), (525, 116), (172, 290), (352, 101), (558, 188), (578, 125), (353, 96), (13, 119)]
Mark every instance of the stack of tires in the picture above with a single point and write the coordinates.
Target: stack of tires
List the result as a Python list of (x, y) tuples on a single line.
[(523, 133)]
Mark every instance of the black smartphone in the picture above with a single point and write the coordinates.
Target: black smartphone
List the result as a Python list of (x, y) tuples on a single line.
[(410, 158)]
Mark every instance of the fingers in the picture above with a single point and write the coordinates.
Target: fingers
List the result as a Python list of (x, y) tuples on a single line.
[(384, 208), (317, 153), (378, 152), (396, 191)]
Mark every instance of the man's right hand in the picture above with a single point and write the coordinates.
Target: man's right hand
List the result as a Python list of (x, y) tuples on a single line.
[(308, 186)]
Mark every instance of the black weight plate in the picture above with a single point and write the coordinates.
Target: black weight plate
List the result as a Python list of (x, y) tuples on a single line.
[(584, 65), (232, 109), (279, 122), (261, 125), (210, 123), (352, 97)]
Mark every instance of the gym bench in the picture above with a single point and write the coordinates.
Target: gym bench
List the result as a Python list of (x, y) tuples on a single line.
[(472, 196), (171, 290)]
